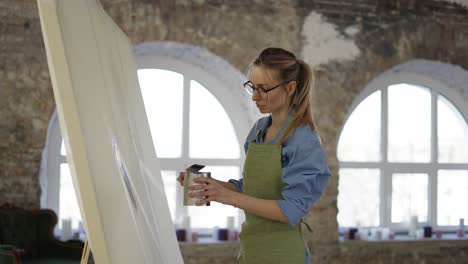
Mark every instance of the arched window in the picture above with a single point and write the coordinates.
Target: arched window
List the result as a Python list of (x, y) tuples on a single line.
[(198, 113), (403, 152), (212, 109), (190, 125), (57, 192)]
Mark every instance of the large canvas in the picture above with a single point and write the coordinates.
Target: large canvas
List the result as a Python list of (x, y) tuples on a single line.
[(114, 167)]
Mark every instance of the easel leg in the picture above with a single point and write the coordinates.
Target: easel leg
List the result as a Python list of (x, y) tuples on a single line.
[(85, 255)]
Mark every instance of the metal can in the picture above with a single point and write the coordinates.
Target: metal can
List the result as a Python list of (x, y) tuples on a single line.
[(190, 175)]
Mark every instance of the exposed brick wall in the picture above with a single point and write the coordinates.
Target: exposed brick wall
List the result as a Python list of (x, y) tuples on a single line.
[(26, 102), (386, 33)]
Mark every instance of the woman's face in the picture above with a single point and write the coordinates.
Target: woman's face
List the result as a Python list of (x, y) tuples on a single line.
[(274, 101)]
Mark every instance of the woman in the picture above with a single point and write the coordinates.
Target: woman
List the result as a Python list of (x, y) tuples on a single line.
[(285, 170)]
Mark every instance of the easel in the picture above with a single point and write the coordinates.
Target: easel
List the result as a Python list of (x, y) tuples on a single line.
[(85, 255)]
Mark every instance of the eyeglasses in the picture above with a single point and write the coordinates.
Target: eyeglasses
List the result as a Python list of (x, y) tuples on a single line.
[(250, 88)]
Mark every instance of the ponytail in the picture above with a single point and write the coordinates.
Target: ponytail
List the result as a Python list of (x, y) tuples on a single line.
[(289, 68)]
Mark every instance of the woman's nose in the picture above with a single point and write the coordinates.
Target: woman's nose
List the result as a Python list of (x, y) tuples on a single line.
[(256, 96)]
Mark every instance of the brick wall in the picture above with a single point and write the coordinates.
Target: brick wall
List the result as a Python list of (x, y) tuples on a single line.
[(376, 36)]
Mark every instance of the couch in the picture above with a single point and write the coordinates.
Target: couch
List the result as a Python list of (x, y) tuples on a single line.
[(26, 236)]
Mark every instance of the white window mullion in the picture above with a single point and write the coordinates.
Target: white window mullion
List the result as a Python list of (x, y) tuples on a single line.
[(55, 159), (454, 166), (432, 192), (364, 165), (386, 195), (181, 210), (404, 167), (432, 196), (386, 182), (216, 162), (409, 167), (186, 121), (174, 164)]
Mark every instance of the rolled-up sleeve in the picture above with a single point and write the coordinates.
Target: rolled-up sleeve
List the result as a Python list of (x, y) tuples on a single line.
[(305, 175), (239, 184)]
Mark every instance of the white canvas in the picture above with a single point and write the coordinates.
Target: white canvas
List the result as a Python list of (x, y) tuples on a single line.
[(114, 168)]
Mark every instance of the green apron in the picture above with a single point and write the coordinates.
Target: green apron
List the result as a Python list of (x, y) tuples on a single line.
[(263, 240)]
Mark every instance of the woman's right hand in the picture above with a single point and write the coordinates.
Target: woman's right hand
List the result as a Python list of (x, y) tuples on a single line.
[(180, 179)]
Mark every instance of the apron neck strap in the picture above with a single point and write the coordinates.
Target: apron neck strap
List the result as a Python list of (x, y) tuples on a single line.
[(286, 123), (282, 129)]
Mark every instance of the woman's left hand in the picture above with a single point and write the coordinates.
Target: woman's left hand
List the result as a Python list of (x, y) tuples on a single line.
[(213, 190)]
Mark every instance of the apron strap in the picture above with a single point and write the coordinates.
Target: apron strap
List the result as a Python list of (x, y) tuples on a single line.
[(281, 131), (302, 223), (283, 127)]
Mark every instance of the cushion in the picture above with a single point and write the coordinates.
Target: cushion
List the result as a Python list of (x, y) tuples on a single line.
[(51, 261), (19, 229)]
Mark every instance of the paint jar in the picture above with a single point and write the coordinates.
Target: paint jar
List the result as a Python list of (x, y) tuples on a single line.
[(352, 233), (234, 236), (346, 235), (230, 227), (427, 231), (363, 234), (186, 225), (378, 234), (192, 173), (223, 234), (419, 234), (181, 235), (357, 236), (461, 228), (194, 236), (413, 226), (215, 233), (66, 229), (385, 233)]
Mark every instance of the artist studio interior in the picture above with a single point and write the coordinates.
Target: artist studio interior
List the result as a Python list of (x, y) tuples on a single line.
[(218, 131)]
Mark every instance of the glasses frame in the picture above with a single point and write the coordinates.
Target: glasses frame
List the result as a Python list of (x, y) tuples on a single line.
[(261, 90)]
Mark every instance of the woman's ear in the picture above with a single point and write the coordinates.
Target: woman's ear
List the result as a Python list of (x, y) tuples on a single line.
[(291, 88)]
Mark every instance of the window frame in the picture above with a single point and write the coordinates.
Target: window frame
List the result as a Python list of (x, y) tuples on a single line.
[(50, 168), (239, 115), (436, 87), (200, 66)]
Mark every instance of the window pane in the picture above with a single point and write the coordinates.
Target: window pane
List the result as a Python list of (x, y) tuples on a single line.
[(409, 196), (409, 123), (212, 134), (359, 197), (452, 194), (169, 181), (216, 214), (452, 130), (360, 139), (69, 208), (162, 93)]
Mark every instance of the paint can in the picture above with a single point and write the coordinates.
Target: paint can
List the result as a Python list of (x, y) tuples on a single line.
[(223, 234), (192, 173), (427, 231)]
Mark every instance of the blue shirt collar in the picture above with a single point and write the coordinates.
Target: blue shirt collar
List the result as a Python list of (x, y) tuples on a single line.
[(262, 126)]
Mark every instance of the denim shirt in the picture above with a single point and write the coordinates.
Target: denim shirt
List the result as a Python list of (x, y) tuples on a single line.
[(304, 169)]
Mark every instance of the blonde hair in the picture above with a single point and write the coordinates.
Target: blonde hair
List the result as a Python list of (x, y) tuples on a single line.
[(289, 68)]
